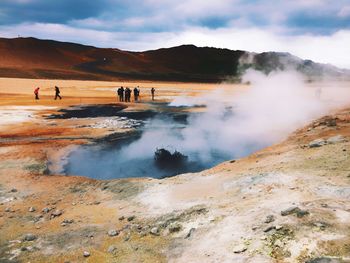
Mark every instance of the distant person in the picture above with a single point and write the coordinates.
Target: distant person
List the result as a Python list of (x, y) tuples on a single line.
[(127, 94), (57, 93), (136, 94), (121, 94), (36, 93), (152, 93)]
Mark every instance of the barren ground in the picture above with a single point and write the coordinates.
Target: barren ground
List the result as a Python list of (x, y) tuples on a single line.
[(234, 212)]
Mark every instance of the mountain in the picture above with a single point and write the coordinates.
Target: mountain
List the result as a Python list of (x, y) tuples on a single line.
[(34, 58)]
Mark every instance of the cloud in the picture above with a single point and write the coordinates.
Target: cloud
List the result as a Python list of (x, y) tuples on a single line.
[(325, 49), (314, 29)]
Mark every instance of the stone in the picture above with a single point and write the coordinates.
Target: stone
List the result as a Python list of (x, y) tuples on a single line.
[(278, 227), (131, 218), (68, 221), (121, 218), (7, 209), (290, 210), (13, 190), (46, 210), (174, 227), (113, 233), (317, 143), (112, 249), (239, 249), (190, 233), (155, 231), (56, 213), (31, 209), (269, 219), (29, 237), (302, 213), (268, 229), (86, 254)]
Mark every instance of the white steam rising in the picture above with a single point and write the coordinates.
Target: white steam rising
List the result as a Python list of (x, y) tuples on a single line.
[(271, 108), (231, 125)]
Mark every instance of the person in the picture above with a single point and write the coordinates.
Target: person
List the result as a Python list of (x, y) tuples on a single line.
[(136, 94), (57, 93), (152, 92), (127, 94), (36, 93), (121, 94)]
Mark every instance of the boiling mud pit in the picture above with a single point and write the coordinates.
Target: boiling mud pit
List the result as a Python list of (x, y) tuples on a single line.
[(194, 133), (155, 144)]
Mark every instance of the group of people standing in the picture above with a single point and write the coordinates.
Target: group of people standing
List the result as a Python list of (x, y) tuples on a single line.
[(57, 93), (124, 95)]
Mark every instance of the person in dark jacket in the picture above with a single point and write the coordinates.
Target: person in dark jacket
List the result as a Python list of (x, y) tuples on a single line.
[(152, 92), (57, 93)]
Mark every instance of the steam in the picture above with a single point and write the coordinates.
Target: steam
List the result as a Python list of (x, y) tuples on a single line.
[(231, 126)]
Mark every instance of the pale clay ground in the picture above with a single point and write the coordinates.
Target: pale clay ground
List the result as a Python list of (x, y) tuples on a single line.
[(226, 205)]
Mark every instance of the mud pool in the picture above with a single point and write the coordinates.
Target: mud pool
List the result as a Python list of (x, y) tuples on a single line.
[(132, 154)]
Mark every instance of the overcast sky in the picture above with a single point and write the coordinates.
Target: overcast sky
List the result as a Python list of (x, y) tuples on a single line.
[(311, 29)]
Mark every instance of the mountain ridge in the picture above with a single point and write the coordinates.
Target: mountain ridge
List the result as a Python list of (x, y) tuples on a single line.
[(36, 58)]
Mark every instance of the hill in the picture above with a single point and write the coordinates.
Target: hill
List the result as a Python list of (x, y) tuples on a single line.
[(34, 58)]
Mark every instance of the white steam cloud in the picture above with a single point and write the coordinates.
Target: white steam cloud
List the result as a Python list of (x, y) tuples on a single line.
[(232, 126)]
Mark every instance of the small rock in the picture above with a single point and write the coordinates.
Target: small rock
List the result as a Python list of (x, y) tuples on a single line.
[(239, 249), (174, 227), (7, 209), (29, 237), (317, 143), (190, 233), (302, 213), (112, 249), (96, 202), (46, 210), (268, 229), (121, 218), (269, 219), (13, 190), (290, 210), (155, 231), (68, 221), (86, 254), (56, 213), (278, 227), (131, 218), (113, 233), (31, 209)]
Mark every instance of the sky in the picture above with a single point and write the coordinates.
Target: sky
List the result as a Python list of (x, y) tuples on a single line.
[(311, 29)]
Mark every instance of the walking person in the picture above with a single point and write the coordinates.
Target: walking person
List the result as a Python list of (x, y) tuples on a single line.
[(57, 93), (152, 92), (36, 93)]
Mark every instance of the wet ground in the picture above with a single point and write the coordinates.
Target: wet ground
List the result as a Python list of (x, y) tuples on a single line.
[(110, 157)]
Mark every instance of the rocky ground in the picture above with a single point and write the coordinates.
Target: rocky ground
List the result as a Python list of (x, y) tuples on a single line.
[(285, 203)]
